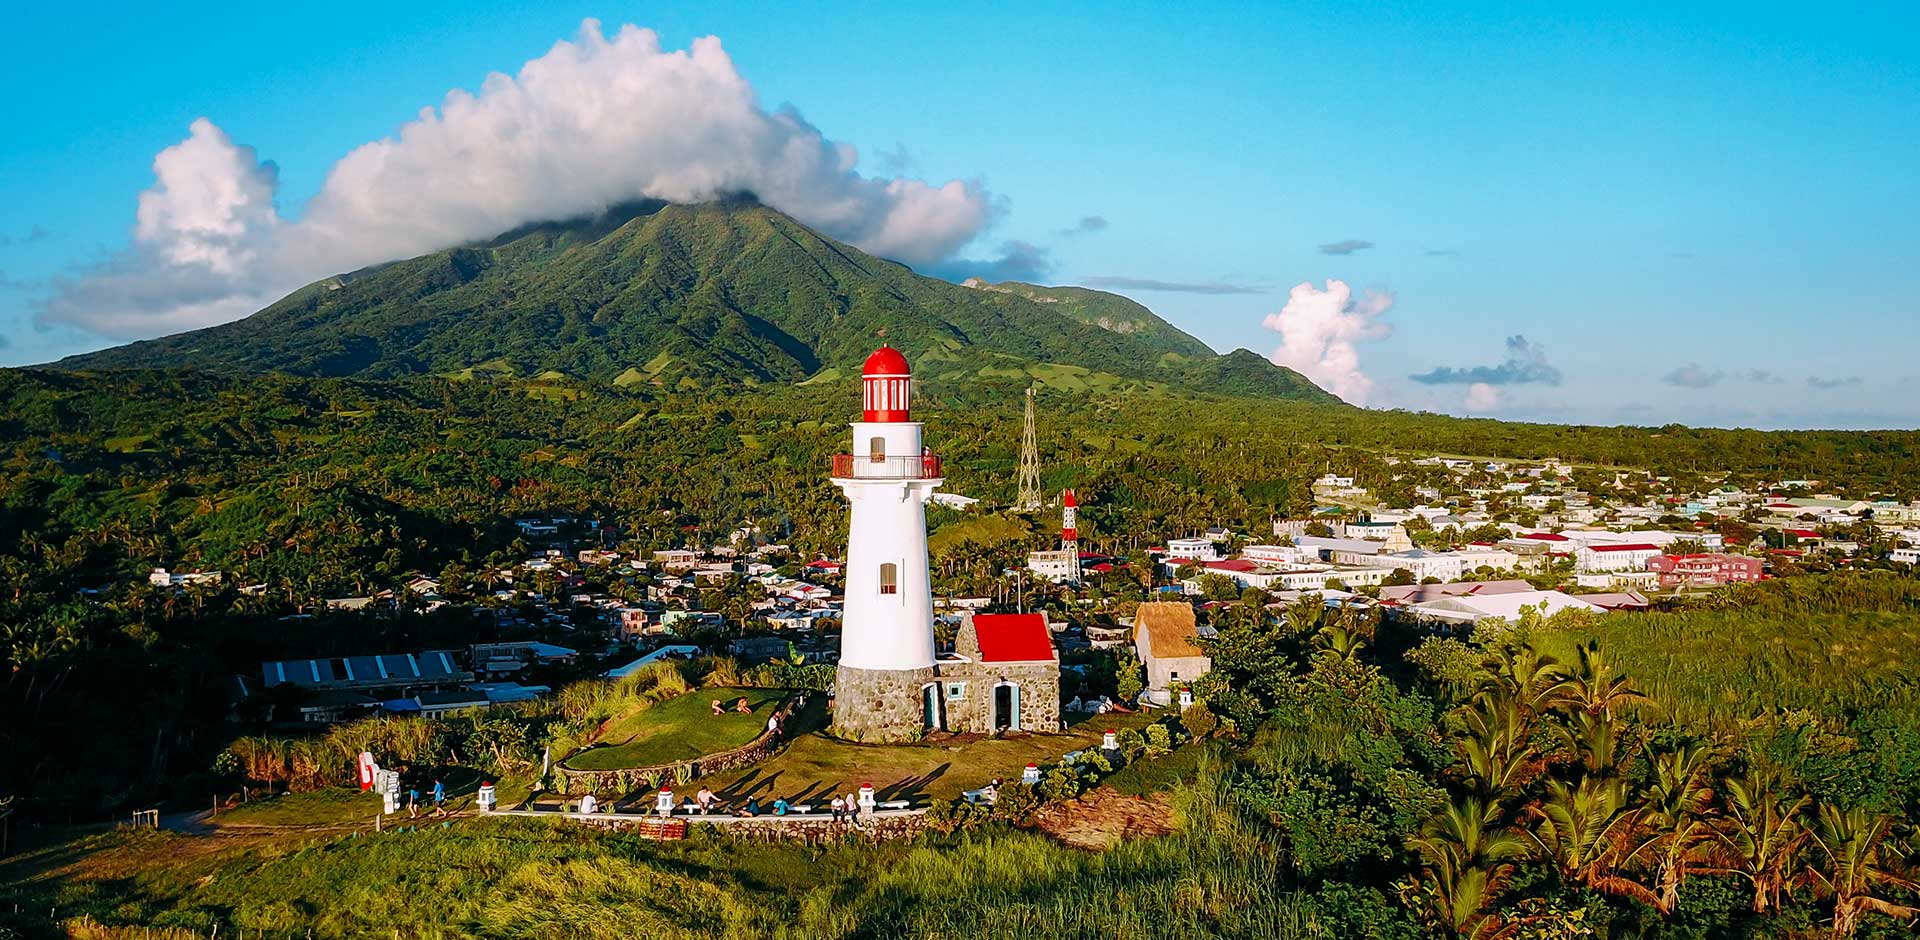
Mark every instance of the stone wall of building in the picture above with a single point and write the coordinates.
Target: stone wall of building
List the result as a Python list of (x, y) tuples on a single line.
[(882, 706), (1039, 684)]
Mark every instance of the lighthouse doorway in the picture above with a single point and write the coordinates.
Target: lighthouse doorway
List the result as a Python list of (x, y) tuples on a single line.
[(1006, 707), (932, 707)]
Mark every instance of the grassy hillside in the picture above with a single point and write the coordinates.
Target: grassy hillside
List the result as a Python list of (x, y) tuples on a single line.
[(1104, 310)]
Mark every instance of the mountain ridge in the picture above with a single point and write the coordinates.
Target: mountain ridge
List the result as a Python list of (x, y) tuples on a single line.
[(682, 295)]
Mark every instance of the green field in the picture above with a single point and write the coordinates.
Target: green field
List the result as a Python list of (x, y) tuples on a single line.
[(679, 729)]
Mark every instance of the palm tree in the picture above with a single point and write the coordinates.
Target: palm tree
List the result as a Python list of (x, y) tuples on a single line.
[(1337, 642), (1581, 827), (1856, 863), (1674, 824), (1468, 856), (1761, 835), (1519, 675), (1592, 687)]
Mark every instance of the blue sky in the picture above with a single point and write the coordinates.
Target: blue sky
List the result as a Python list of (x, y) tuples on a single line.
[(1704, 215)]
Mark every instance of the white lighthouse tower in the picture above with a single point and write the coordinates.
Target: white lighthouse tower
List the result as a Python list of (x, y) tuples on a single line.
[(885, 689)]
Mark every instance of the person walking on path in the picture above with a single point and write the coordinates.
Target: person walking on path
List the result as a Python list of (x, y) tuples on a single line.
[(439, 797)]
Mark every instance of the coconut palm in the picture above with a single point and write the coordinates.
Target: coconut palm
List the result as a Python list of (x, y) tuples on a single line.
[(1592, 687), (1855, 865), (1761, 835), (1674, 822), (1582, 828), (1467, 856)]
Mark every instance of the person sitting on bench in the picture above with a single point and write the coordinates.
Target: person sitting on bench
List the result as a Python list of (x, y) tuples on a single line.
[(706, 801)]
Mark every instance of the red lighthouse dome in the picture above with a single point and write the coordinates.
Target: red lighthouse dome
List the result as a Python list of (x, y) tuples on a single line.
[(886, 386)]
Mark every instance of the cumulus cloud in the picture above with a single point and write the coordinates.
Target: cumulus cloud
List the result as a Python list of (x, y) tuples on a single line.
[(1018, 261), (1347, 247), (1692, 375), (1525, 364), (1482, 398), (1321, 332), (597, 121), (1822, 382), (1087, 225), (1119, 282)]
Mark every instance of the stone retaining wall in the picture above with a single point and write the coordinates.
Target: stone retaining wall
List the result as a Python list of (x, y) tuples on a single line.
[(878, 827), (570, 782)]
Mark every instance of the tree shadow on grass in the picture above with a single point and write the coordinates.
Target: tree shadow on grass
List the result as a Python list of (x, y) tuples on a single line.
[(912, 788)]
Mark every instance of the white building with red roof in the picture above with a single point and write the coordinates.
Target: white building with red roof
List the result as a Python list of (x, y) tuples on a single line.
[(1620, 556), (1003, 675)]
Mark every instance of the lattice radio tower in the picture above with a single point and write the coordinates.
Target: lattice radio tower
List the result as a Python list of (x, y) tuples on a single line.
[(1029, 478)]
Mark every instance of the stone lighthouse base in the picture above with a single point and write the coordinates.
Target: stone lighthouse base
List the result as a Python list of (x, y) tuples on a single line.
[(880, 706)]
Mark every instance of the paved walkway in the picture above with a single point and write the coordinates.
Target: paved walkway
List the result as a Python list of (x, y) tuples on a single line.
[(721, 819)]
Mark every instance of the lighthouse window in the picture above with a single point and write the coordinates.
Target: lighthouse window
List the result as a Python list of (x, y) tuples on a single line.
[(889, 578), (877, 449)]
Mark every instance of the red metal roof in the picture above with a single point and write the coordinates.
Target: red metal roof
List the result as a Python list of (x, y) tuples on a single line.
[(1012, 638), (1544, 537), (1628, 547), (1232, 564), (886, 361)]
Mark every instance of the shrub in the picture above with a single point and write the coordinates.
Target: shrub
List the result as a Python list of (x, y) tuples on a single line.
[(1131, 742), (1159, 740), (1093, 762), (1130, 679), (950, 816), (1016, 803), (1199, 720), (1059, 785)]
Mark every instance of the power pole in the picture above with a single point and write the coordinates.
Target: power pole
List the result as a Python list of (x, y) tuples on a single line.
[(1028, 481)]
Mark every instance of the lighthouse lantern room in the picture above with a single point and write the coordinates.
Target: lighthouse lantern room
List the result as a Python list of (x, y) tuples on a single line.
[(886, 683)]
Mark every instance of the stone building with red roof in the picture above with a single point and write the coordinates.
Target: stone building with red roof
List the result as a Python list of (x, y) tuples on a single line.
[(1003, 675)]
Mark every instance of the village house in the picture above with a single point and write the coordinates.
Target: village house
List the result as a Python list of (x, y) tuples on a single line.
[(1198, 549), (1624, 556), (1165, 635), (1003, 675), (1704, 569)]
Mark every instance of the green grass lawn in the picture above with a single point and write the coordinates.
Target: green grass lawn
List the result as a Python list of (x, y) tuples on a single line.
[(815, 766), (679, 729), (337, 806)]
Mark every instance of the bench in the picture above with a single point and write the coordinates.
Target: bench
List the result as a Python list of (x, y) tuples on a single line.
[(893, 804)]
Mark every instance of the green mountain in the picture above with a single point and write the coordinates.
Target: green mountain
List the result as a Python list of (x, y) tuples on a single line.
[(684, 296), (1104, 310)]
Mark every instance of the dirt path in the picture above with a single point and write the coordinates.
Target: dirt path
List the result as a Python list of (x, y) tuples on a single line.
[(1104, 817)]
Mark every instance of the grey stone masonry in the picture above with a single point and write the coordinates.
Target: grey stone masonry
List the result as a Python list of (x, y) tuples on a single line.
[(881, 706)]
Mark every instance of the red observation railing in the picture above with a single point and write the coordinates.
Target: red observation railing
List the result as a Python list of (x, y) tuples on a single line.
[(858, 467)]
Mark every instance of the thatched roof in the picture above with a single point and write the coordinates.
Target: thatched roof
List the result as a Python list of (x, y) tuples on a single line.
[(1170, 629)]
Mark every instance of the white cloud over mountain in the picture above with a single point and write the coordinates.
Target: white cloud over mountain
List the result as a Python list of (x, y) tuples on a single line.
[(596, 121), (1321, 332)]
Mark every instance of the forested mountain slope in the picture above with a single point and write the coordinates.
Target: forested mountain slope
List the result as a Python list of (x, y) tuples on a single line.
[(683, 296)]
